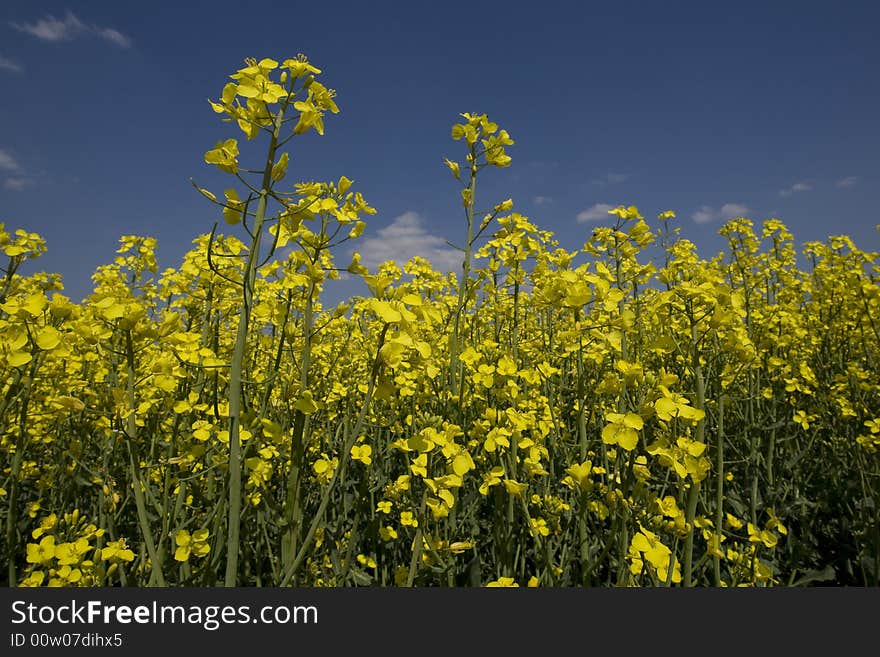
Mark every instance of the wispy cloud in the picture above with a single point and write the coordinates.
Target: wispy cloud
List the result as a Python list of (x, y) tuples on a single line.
[(69, 28), (15, 184), (707, 214), (610, 179), (542, 200), (795, 189), (10, 65), (846, 183), (16, 180), (7, 162), (404, 238), (596, 212)]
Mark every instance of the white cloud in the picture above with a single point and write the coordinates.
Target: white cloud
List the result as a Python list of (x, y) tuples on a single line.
[(7, 64), (733, 210), (726, 212), (8, 162), (16, 184), (849, 181), (71, 27), (16, 181), (52, 29), (794, 189), (705, 215), (611, 179), (596, 212), (542, 200), (115, 36), (404, 238)]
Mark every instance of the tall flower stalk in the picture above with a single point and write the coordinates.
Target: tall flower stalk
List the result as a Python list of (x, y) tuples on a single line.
[(259, 101)]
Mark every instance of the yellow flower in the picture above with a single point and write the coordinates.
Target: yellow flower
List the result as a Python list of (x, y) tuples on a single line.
[(224, 156), (632, 212), (762, 536), (622, 430), (195, 544), (647, 545), (71, 553), (497, 437), (324, 468), (366, 562), (732, 521), (362, 453), (454, 167), (41, 553), (491, 478), (668, 507), (506, 366), (579, 474), (419, 465), (387, 533), (117, 551), (801, 418), (46, 524), (539, 526), (502, 582), (34, 579)]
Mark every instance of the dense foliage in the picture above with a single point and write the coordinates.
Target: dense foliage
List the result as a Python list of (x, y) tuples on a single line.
[(624, 413)]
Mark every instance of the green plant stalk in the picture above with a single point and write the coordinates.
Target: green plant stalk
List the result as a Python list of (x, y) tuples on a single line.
[(237, 365), (166, 489), (583, 447), (510, 534), (454, 364), (771, 447), (583, 442), (275, 364), (694, 492), (12, 508), (418, 546), (515, 330), (350, 440), (298, 439), (14, 264), (623, 536), (156, 576), (719, 487)]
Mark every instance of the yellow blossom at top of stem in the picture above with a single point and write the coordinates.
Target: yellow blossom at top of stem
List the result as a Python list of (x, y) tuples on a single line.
[(626, 213)]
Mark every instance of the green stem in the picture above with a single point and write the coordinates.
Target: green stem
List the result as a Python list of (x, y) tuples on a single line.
[(339, 473), (237, 365), (298, 441), (719, 488), (454, 364), (156, 576), (694, 492), (12, 509)]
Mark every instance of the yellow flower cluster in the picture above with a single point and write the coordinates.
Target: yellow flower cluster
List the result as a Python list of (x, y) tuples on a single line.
[(623, 413)]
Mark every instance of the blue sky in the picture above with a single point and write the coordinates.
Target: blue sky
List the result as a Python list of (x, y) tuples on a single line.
[(711, 109)]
